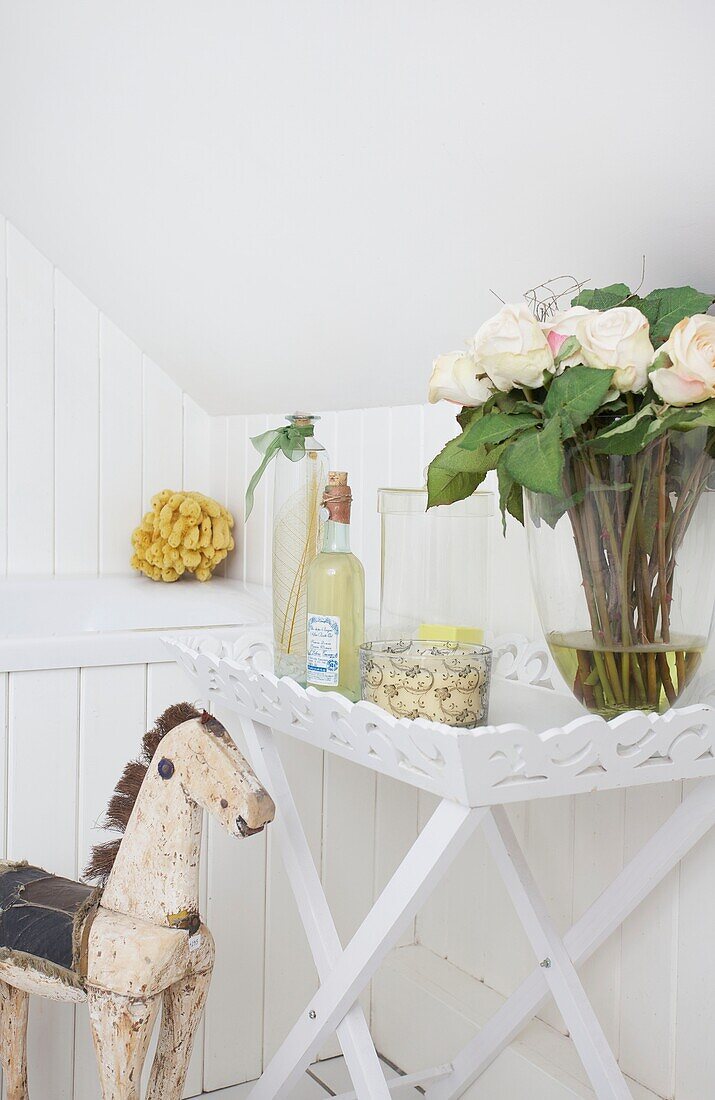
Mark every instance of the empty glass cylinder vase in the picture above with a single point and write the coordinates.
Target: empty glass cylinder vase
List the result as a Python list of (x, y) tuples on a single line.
[(434, 570)]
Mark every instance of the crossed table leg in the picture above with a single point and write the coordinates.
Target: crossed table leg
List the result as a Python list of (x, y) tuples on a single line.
[(344, 974)]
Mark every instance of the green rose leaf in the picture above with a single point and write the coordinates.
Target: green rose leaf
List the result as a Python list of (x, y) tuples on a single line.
[(575, 395), (455, 473), (495, 428), (604, 298), (536, 459), (679, 420), (626, 436), (511, 495), (468, 415), (704, 415), (650, 308), (627, 442), (665, 307)]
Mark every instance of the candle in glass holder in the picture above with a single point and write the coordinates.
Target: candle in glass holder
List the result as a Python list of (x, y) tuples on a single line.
[(439, 681)]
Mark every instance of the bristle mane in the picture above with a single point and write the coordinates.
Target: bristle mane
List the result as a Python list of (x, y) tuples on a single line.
[(127, 790)]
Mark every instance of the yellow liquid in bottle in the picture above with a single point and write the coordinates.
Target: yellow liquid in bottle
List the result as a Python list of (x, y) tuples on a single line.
[(336, 615)]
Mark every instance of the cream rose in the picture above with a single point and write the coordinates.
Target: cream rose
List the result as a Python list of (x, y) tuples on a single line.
[(690, 348), (559, 328), (455, 378), (512, 349), (619, 340)]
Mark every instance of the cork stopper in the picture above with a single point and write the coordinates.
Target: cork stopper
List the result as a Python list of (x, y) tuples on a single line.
[(338, 497)]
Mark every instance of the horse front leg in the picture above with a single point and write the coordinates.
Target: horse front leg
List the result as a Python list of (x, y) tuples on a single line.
[(183, 1005), (13, 1040), (121, 1029)]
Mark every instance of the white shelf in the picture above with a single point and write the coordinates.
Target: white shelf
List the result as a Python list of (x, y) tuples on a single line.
[(69, 622)]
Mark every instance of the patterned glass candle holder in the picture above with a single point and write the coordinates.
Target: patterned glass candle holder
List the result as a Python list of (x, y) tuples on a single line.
[(444, 682)]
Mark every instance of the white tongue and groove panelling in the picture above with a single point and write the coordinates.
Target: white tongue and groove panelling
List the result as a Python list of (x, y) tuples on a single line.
[(90, 428)]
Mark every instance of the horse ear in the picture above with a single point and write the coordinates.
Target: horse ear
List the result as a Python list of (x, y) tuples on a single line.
[(172, 716)]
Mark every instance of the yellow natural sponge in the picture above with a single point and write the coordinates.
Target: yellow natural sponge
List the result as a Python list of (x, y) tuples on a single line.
[(183, 533)]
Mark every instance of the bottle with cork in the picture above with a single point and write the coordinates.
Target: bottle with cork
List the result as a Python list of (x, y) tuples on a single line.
[(336, 599)]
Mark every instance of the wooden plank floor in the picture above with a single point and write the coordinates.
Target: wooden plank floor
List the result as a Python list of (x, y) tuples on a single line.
[(323, 1079)]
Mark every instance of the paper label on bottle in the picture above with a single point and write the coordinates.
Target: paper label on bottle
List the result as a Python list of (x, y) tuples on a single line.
[(323, 665)]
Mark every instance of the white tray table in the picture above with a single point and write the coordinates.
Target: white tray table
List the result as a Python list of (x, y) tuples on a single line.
[(549, 747)]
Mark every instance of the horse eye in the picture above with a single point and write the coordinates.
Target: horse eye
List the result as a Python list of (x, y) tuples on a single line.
[(166, 768), (224, 804)]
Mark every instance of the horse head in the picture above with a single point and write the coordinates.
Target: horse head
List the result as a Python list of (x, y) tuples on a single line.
[(187, 760), (202, 757)]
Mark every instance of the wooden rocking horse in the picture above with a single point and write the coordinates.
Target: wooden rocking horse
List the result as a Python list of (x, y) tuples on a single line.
[(136, 940)]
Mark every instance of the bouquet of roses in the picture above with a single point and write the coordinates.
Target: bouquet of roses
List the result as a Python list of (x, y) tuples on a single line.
[(590, 410)]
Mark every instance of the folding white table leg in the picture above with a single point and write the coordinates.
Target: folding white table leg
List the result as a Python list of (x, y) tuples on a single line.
[(353, 1032), (668, 845), (438, 844), (598, 1058)]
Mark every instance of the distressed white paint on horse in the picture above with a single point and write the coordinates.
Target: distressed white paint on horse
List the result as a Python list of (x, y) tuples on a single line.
[(146, 941)]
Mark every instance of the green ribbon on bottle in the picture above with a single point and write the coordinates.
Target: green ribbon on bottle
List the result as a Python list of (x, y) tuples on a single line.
[(290, 440)]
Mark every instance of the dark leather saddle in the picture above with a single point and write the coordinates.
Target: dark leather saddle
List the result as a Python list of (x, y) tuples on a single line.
[(39, 913)]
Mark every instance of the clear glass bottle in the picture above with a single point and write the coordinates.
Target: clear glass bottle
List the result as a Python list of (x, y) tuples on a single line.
[(336, 600), (299, 485)]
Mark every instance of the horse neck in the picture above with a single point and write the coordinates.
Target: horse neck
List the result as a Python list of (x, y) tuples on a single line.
[(156, 873)]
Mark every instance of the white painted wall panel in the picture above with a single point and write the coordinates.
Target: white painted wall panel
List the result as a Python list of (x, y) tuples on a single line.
[(162, 426), (598, 857), (649, 952), (197, 427), (349, 450), (3, 396), (694, 1048), (42, 779), (290, 975), (76, 430), (30, 392), (120, 469), (257, 554), (376, 472), (236, 480), (236, 915), (89, 429)]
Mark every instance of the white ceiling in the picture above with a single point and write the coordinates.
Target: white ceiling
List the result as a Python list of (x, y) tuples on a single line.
[(300, 203)]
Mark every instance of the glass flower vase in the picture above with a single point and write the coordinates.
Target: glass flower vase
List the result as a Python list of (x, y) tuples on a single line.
[(622, 571), (297, 496)]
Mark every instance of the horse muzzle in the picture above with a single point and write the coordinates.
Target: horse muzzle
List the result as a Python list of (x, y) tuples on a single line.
[(246, 830)]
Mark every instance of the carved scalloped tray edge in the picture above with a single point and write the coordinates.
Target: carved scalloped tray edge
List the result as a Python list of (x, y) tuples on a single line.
[(493, 764)]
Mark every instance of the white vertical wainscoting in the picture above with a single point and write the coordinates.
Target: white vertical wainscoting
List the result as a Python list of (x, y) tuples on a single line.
[(41, 800), (121, 450), (76, 430), (90, 428), (30, 415), (3, 396)]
